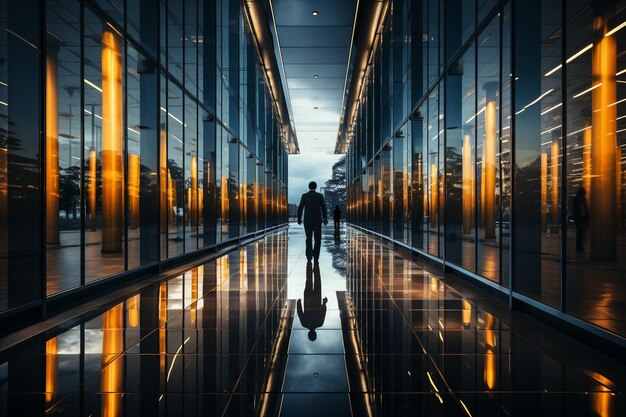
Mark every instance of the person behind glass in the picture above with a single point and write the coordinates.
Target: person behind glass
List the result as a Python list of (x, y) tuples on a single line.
[(337, 218), (580, 215), (314, 207), (312, 311)]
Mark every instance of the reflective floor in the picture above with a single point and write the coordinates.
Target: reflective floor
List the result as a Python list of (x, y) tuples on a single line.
[(261, 332)]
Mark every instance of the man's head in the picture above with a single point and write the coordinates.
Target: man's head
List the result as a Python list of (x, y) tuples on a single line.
[(312, 335), (312, 185)]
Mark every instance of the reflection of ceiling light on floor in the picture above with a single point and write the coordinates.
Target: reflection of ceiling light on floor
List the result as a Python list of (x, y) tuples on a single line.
[(316, 76), (315, 13)]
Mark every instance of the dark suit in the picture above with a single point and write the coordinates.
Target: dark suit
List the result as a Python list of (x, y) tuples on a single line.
[(312, 310), (314, 207)]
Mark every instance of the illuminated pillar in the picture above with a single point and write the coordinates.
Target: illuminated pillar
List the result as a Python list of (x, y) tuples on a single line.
[(52, 368), (194, 296), (467, 184), (163, 177), (587, 158), (554, 180), (133, 311), (433, 195), (544, 190), (112, 362), (171, 196), (133, 190), (92, 189), (602, 196), (489, 162), (162, 328), (112, 134), (467, 314), (490, 352), (194, 192), (52, 148)]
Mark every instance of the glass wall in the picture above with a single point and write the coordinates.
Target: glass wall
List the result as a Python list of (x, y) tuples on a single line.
[(507, 163), (154, 141)]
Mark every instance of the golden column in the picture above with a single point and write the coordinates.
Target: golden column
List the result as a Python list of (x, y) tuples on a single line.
[(433, 195), (194, 192), (554, 180), (489, 161), (112, 363), (162, 326), (52, 148), (490, 352), (133, 190), (163, 176), (112, 134), (132, 304), (603, 177), (587, 157), (92, 189), (193, 310), (544, 190), (467, 183), (52, 368)]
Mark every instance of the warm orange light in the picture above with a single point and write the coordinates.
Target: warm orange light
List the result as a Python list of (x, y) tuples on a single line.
[(467, 314), (489, 162), (603, 179), (434, 180), (133, 190), (468, 185), (171, 195), (162, 328), (194, 192), (92, 189), (602, 403), (544, 189), (587, 158), (52, 149), (490, 353), (163, 177), (133, 311), (194, 296), (112, 134), (554, 174), (52, 367), (224, 196), (112, 361)]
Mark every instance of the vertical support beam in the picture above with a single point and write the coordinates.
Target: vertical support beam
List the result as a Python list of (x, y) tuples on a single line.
[(489, 161), (52, 147)]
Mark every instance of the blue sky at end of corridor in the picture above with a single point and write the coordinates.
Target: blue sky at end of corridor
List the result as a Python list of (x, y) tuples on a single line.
[(307, 167)]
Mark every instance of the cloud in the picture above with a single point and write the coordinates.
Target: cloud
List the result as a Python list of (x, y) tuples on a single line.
[(306, 167)]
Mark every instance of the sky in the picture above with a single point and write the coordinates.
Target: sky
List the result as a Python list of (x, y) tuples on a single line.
[(309, 166)]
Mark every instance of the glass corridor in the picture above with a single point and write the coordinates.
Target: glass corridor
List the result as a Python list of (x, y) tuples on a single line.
[(233, 336)]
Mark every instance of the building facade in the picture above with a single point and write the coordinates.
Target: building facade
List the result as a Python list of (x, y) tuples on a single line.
[(489, 137), (131, 132)]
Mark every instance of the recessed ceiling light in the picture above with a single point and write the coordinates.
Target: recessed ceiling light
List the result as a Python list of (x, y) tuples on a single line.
[(315, 76), (315, 13)]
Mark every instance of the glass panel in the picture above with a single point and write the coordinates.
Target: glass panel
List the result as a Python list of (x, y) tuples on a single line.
[(142, 23), (191, 175), (175, 170), (104, 147), (538, 144), (63, 147), (596, 142)]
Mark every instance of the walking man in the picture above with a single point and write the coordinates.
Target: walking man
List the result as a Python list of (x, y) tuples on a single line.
[(314, 207)]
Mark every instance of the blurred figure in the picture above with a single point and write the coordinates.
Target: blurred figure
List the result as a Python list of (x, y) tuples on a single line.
[(314, 207), (580, 215), (312, 311), (337, 218)]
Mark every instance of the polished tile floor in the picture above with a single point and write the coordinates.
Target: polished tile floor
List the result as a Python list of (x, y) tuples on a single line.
[(261, 332)]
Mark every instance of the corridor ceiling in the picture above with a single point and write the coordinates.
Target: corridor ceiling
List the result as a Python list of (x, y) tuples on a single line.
[(314, 38)]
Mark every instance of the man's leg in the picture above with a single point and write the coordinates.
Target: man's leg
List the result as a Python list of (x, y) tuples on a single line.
[(317, 228), (308, 231)]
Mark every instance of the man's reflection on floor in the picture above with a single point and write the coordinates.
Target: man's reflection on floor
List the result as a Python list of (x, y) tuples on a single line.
[(312, 311)]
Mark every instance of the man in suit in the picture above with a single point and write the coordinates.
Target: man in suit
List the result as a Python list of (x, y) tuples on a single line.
[(314, 214)]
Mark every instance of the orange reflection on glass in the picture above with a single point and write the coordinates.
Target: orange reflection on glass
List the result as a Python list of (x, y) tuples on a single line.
[(602, 403), (554, 180), (112, 364), (163, 177), (468, 185), (112, 134), (193, 201), (467, 314), (171, 195), (603, 179), (162, 329), (132, 304), (587, 157), (133, 190), (433, 195), (194, 296), (52, 367), (489, 162), (490, 352), (544, 189), (52, 149), (92, 189)]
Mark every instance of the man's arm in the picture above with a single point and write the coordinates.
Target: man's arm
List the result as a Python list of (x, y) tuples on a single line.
[(300, 209), (324, 211)]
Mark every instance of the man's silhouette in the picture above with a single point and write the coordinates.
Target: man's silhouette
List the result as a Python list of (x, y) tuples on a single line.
[(313, 313), (314, 214), (580, 215), (337, 218)]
